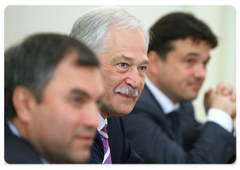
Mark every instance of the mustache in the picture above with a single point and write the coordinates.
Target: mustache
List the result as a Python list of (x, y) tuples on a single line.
[(127, 91)]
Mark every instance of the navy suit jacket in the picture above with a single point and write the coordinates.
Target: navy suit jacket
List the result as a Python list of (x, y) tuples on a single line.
[(148, 130), (121, 150), (17, 150)]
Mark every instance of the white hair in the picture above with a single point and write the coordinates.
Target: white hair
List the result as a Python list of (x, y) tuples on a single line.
[(92, 27)]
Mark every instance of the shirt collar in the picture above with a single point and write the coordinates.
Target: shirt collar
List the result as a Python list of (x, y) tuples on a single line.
[(13, 129), (166, 104), (103, 122)]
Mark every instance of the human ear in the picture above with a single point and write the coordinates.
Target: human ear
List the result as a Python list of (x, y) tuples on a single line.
[(24, 103), (154, 60)]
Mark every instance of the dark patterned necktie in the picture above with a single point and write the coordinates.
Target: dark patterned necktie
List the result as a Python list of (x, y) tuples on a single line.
[(175, 124)]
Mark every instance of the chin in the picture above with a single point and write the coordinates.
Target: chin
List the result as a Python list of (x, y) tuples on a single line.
[(189, 98), (82, 158), (125, 111), (117, 110)]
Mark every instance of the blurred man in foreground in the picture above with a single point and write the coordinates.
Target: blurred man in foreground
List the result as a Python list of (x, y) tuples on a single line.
[(52, 88)]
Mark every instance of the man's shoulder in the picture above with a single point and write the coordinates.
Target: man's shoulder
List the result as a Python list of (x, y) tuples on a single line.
[(18, 151), (146, 98), (115, 123), (145, 93)]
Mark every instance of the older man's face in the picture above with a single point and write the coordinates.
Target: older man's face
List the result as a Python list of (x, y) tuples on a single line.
[(123, 65)]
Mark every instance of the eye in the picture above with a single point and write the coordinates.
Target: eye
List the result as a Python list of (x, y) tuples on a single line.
[(143, 68), (123, 64), (76, 101), (123, 67), (190, 61)]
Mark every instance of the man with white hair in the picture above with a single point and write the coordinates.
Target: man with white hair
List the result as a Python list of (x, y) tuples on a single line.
[(120, 42)]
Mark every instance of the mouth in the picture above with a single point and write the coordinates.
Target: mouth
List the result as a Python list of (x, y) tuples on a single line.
[(126, 96), (86, 139), (195, 86)]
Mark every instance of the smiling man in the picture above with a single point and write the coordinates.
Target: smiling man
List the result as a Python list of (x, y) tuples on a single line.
[(186, 65), (120, 43), (52, 89), (123, 68), (162, 127)]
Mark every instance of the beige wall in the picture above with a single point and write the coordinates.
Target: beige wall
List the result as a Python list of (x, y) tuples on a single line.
[(21, 21)]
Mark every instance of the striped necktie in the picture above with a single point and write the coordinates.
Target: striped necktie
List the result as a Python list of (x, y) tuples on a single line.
[(107, 154)]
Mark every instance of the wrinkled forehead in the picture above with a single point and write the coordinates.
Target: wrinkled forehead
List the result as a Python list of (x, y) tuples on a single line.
[(131, 59), (124, 33)]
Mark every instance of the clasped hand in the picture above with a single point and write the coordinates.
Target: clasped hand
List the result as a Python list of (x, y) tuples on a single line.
[(223, 98)]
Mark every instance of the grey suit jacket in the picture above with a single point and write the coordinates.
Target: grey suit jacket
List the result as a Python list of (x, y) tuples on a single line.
[(148, 130)]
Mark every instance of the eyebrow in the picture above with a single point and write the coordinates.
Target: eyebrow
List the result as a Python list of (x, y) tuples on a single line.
[(129, 59), (192, 54), (80, 92), (195, 55), (84, 94)]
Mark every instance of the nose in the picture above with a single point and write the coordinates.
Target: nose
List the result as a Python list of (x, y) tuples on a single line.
[(200, 71), (133, 78), (91, 116)]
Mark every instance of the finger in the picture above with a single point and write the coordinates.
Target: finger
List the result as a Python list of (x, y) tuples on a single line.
[(220, 88), (208, 92), (234, 115), (233, 97), (206, 98), (228, 90)]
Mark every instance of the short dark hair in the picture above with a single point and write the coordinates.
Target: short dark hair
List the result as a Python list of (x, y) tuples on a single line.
[(31, 64), (178, 25)]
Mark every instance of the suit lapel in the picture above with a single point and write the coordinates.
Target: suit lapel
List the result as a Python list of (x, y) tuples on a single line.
[(17, 150), (159, 114), (115, 139), (97, 151)]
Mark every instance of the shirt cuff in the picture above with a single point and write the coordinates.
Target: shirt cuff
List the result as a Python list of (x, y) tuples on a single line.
[(221, 118)]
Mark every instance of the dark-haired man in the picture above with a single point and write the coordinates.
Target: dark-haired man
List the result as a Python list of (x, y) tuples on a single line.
[(162, 127), (52, 88)]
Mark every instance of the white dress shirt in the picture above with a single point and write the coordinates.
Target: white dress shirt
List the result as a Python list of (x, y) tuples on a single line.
[(214, 115), (103, 122)]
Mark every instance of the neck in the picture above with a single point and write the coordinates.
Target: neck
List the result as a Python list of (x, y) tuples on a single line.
[(105, 115), (153, 80)]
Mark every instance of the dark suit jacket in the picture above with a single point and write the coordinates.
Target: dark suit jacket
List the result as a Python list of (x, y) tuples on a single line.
[(17, 150), (121, 150), (148, 130)]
